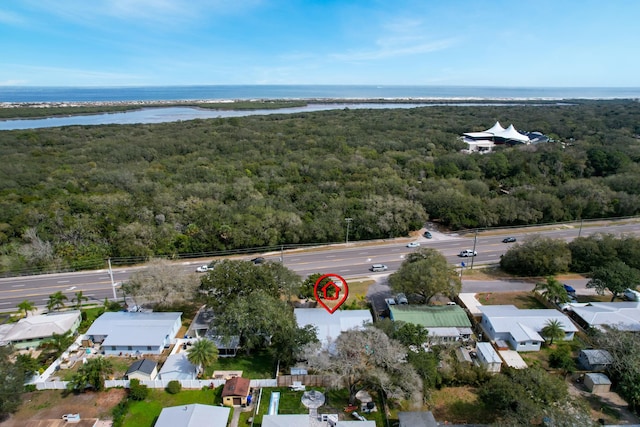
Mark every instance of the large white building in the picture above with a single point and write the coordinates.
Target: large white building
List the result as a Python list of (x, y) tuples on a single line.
[(497, 135)]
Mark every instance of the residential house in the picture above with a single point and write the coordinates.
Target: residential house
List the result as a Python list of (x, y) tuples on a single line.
[(134, 333), (488, 357), (330, 326), (32, 331), (178, 367), (194, 415), (595, 360), (305, 420), (202, 326), (235, 391), (445, 323), (143, 369), (521, 329), (624, 316)]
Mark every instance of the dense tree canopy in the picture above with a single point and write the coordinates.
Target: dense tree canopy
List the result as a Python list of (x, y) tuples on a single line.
[(12, 384), (73, 196), (426, 273), (537, 256), (525, 396), (614, 277)]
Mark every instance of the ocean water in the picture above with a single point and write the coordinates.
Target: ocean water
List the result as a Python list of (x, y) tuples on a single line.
[(15, 94), (61, 95)]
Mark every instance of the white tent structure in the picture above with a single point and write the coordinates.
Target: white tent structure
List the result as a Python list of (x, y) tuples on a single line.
[(495, 135)]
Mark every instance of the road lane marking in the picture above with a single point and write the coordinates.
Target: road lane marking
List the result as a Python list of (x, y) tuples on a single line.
[(17, 286), (63, 281)]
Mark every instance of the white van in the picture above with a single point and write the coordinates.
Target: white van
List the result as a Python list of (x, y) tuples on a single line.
[(378, 267)]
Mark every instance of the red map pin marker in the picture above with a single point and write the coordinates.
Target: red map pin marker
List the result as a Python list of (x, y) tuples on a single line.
[(333, 289)]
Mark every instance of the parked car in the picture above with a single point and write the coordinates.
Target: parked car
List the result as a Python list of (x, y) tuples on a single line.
[(258, 260), (467, 252), (508, 240), (379, 267), (401, 299), (413, 245), (427, 234), (202, 269), (631, 294), (570, 290)]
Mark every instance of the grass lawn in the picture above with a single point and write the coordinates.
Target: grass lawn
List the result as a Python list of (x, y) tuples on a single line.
[(290, 403), (146, 412), (522, 300), (257, 365), (459, 405)]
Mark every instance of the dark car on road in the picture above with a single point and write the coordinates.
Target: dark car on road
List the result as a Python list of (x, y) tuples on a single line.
[(427, 234), (258, 260), (508, 240)]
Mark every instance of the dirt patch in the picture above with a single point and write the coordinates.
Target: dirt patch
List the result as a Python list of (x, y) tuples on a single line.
[(609, 406), (51, 404)]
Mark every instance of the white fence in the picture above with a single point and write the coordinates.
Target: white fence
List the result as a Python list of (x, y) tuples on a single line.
[(189, 384)]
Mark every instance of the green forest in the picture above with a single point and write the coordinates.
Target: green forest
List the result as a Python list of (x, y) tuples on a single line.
[(71, 197)]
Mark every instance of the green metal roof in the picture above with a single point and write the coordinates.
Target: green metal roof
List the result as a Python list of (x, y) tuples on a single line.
[(431, 316)]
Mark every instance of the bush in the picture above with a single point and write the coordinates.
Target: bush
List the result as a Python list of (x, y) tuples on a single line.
[(137, 391), (560, 358), (174, 387)]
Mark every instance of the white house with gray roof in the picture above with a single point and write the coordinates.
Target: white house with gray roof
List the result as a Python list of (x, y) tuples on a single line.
[(330, 326), (124, 333), (522, 328), (32, 331), (194, 415), (624, 316)]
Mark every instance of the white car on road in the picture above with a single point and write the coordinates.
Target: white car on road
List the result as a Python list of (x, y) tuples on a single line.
[(467, 252), (413, 245), (202, 269)]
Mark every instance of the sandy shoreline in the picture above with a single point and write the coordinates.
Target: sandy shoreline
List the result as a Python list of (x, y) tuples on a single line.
[(230, 102)]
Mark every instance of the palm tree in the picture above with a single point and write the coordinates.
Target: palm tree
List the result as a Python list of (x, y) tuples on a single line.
[(78, 300), (26, 306), (552, 290), (553, 329), (56, 301), (203, 353)]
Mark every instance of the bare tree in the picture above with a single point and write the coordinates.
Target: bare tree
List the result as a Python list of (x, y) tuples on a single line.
[(368, 358), (162, 283)]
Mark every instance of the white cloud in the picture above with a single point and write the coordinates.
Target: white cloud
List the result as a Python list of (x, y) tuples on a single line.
[(10, 18), (142, 12), (394, 48)]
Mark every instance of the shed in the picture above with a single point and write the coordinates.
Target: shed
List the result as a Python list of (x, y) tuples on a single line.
[(235, 391), (178, 367), (143, 369), (597, 383), (488, 357), (595, 360)]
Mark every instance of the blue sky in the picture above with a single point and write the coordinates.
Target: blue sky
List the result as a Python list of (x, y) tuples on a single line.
[(372, 42)]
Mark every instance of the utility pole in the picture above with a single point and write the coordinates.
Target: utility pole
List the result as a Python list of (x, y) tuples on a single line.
[(348, 223), (113, 285), (473, 255), (580, 230)]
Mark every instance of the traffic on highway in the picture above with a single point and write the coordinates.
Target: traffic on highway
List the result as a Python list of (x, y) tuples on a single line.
[(351, 261)]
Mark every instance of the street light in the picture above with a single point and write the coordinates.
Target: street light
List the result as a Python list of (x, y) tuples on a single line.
[(348, 224)]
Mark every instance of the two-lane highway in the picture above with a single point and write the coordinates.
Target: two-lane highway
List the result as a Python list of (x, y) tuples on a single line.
[(349, 261)]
